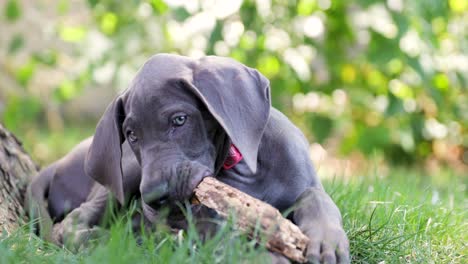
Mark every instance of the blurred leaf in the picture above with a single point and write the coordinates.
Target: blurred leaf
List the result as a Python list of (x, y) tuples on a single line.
[(371, 139), (25, 73), (46, 57), (159, 6), (395, 66), (402, 23), (417, 67), (215, 35), (238, 54), (181, 14), (376, 79), (400, 89), (306, 7), (395, 106), (424, 149), (93, 3), (321, 127), (63, 6), (417, 126), (396, 155), (247, 42), (268, 65), (349, 141), (365, 3), (66, 91), (439, 25), (348, 73), (83, 79), (20, 111), (441, 82), (432, 9), (72, 34), (12, 10), (458, 6), (16, 43), (379, 44), (261, 42), (109, 23)]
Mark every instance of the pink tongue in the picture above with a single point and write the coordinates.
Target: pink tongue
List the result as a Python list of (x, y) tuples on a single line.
[(233, 158)]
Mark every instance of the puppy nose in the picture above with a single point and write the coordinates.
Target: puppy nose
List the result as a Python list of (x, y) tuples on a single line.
[(155, 194)]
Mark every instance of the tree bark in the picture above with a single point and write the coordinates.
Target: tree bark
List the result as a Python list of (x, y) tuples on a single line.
[(252, 214), (16, 170)]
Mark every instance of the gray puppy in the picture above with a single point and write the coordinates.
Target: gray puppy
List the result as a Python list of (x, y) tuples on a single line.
[(182, 120)]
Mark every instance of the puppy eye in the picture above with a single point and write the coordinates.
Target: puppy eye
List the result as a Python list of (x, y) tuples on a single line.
[(179, 120), (131, 137)]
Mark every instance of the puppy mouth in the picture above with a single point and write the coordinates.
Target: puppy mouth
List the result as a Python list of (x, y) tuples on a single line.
[(149, 212), (161, 196), (173, 184), (160, 202), (158, 194)]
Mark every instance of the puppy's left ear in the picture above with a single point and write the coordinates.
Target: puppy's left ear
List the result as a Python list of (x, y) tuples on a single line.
[(239, 99), (103, 161)]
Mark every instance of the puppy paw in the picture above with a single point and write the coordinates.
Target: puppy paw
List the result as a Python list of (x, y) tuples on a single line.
[(328, 244), (74, 236), (57, 234)]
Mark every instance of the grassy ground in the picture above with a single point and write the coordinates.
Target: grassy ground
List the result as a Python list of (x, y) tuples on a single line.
[(403, 218)]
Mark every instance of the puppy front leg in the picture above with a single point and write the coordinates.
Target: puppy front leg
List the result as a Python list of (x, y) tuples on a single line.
[(320, 219), (35, 204), (79, 226)]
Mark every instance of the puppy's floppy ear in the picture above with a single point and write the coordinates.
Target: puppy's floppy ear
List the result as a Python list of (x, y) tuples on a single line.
[(103, 161), (239, 99)]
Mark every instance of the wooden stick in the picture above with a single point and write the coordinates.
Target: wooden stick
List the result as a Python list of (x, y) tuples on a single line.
[(282, 235)]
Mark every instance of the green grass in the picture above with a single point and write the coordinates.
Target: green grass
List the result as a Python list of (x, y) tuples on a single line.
[(403, 218), (46, 146)]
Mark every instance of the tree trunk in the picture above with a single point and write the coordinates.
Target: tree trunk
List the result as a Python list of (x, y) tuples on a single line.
[(16, 170)]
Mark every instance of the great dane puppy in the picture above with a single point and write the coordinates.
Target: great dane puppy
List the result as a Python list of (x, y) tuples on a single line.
[(182, 120)]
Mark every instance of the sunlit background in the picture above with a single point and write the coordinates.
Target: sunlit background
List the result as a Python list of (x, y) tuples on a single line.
[(369, 82)]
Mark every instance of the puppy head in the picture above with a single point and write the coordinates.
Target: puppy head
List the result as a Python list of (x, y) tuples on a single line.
[(179, 116)]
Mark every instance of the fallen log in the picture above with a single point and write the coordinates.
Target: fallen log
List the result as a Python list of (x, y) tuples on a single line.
[(250, 213)]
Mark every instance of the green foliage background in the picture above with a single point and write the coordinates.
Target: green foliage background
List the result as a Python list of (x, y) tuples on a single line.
[(374, 77)]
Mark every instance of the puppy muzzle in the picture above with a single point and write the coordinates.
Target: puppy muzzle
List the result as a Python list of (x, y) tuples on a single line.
[(172, 184)]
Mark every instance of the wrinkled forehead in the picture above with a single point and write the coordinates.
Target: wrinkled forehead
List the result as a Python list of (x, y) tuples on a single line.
[(158, 84), (165, 66), (154, 97)]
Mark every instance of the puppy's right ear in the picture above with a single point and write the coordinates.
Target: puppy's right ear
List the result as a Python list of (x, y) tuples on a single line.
[(103, 162)]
